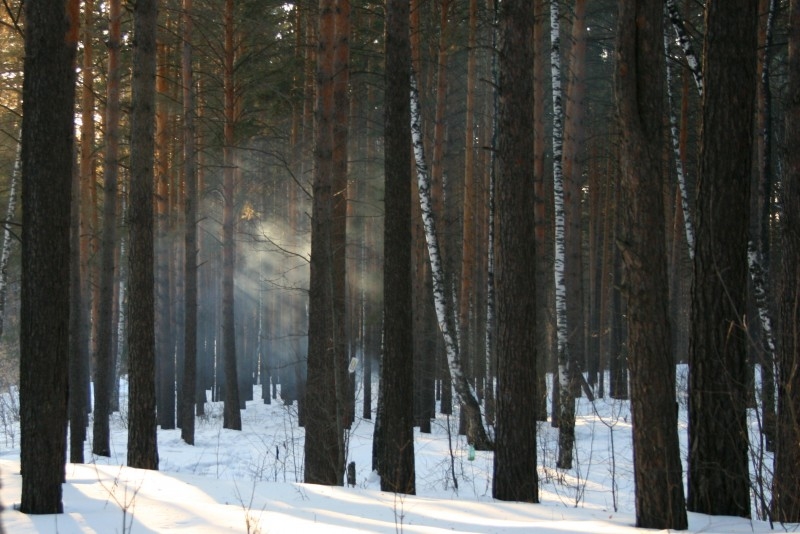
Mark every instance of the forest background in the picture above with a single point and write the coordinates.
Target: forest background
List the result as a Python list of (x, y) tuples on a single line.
[(252, 97)]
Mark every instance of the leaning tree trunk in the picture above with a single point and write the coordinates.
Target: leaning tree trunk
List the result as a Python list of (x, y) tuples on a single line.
[(476, 434)]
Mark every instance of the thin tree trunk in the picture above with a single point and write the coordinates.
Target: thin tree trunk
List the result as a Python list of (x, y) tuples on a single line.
[(566, 415), (8, 241), (104, 358), (786, 482), (232, 418), (190, 236)]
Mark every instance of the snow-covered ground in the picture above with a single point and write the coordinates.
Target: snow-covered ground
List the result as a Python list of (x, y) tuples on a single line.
[(250, 482)]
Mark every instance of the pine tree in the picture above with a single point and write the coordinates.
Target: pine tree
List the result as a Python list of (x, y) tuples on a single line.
[(51, 37)]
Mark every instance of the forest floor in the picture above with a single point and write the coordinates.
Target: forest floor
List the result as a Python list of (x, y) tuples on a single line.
[(250, 481)]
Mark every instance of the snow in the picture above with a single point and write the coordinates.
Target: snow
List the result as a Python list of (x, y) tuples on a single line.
[(249, 481)]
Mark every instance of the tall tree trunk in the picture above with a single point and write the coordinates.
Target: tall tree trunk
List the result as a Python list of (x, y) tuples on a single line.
[(573, 162), (232, 418), (658, 477), (718, 463), (515, 477), (48, 92), (190, 236), (543, 224), (476, 434), (566, 409), (759, 244), (78, 343), (396, 414), (104, 358), (323, 428), (340, 127), (142, 442), (466, 300), (786, 481), (165, 353)]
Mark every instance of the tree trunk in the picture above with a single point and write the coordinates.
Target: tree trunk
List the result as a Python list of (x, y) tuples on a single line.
[(232, 417), (323, 426), (142, 442), (104, 357), (658, 477), (515, 477), (573, 162), (476, 434), (51, 36), (786, 481), (190, 236), (566, 409), (718, 462), (396, 454)]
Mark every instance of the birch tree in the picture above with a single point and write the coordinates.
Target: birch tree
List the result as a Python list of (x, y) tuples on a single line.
[(476, 434), (566, 407)]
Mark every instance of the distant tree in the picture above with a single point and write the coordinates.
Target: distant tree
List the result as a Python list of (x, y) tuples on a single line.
[(104, 357), (515, 477), (394, 429), (232, 417), (786, 481), (190, 236), (719, 478), (142, 443), (51, 37), (658, 477)]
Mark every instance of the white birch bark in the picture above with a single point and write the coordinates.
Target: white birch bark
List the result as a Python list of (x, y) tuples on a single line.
[(686, 44), (489, 338), (5, 255), (566, 412), (688, 225), (476, 434)]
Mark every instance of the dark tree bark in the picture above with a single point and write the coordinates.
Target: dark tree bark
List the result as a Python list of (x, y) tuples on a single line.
[(142, 443), (786, 481), (189, 393), (658, 477), (515, 476), (323, 445), (718, 464), (78, 344), (51, 36), (231, 416), (104, 357), (395, 455)]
